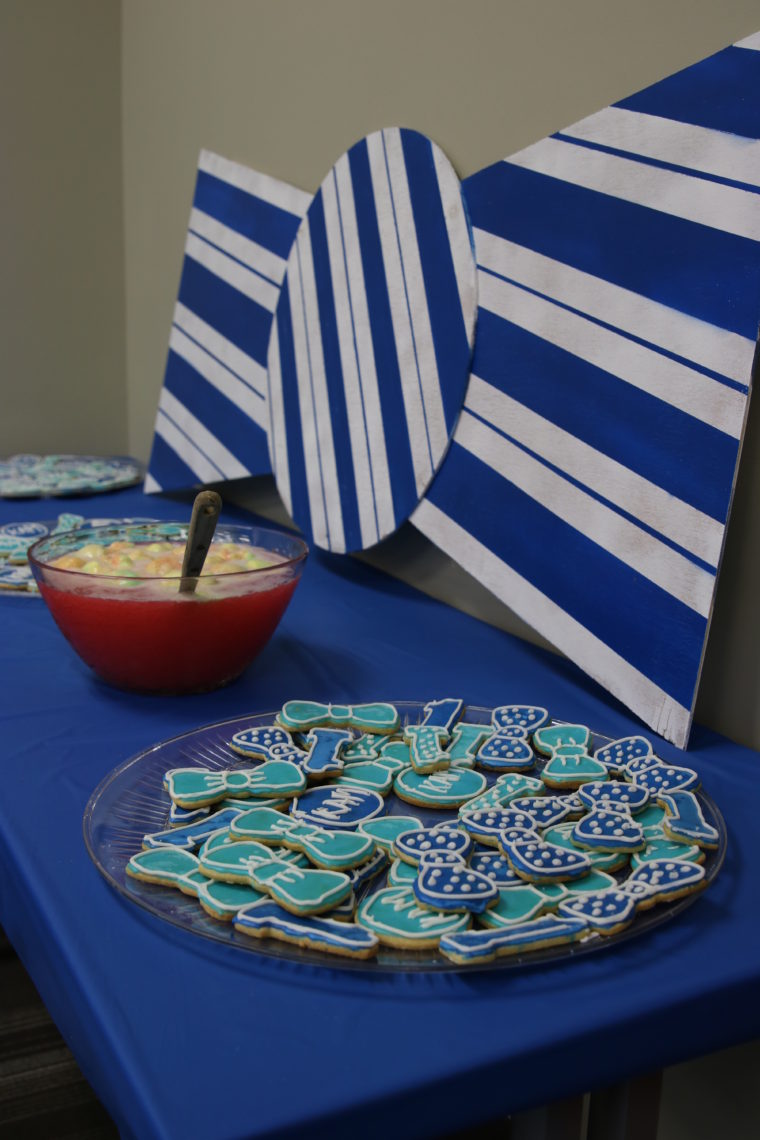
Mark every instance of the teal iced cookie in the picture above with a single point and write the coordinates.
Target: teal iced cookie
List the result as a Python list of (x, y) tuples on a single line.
[(298, 890), (570, 766), (448, 789), (395, 916), (514, 905), (387, 828)]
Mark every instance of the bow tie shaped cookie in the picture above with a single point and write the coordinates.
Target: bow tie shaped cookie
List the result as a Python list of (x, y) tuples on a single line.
[(302, 715), (198, 787)]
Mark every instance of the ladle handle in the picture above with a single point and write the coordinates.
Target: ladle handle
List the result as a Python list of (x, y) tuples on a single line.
[(203, 522)]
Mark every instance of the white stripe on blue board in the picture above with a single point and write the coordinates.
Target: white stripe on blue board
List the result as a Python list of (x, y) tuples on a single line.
[(666, 140), (691, 392), (207, 443), (460, 239), (681, 195), (402, 322), (643, 552), (276, 436), (751, 43), (151, 485), (356, 354), (250, 403), (252, 285), (689, 528), (237, 361), (271, 190), (414, 282), (707, 345), (250, 253), (666, 716), (181, 443), (321, 404), (383, 520), (316, 429)]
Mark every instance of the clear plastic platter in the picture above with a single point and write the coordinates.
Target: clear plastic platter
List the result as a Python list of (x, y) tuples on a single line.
[(132, 802), (54, 476)]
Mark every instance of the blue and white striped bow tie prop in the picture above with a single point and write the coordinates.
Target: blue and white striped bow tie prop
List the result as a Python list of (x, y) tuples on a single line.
[(616, 271)]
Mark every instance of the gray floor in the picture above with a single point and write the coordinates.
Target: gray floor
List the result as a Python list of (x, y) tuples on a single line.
[(713, 1098)]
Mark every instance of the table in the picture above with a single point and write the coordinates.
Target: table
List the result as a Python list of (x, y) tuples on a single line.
[(183, 1038)]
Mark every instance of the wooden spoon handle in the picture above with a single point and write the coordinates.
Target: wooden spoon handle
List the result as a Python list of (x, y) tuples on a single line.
[(203, 522)]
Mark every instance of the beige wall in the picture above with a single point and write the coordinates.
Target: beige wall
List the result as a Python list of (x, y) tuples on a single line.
[(287, 85), (61, 248)]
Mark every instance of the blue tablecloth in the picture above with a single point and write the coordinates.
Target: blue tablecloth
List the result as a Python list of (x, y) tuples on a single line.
[(185, 1038)]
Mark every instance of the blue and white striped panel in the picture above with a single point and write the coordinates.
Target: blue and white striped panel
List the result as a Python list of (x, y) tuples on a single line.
[(371, 346), (590, 477), (212, 415)]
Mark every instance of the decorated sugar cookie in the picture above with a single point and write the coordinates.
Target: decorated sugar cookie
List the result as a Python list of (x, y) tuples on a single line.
[(300, 716), (366, 872), (548, 738), (514, 905), (452, 887), (545, 811), (603, 830), (275, 778), (180, 869), (401, 874), (443, 713), (593, 881), (190, 835), (340, 807), (367, 747), (325, 746), (426, 747), (640, 764), (528, 718), (329, 935), (394, 757), (448, 789), (570, 766), (470, 946), (334, 850), (267, 742), (505, 752), (495, 866), (651, 820), (539, 862), (607, 912), (488, 825), (663, 848), (384, 830), (662, 778), (178, 816), (613, 795), (666, 880), (299, 890), (262, 824), (507, 787), (617, 755), (684, 821), (418, 844), (561, 836), (395, 916), (369, 774), (199, 787), (465, 742), (231, 862)]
